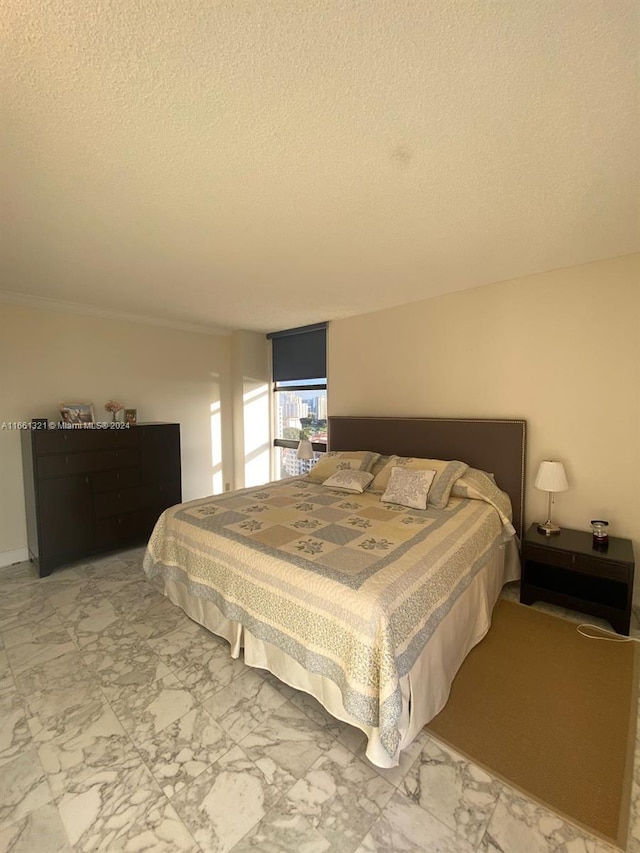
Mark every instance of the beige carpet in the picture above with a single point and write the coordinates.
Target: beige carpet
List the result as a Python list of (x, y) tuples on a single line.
[(551, 712)]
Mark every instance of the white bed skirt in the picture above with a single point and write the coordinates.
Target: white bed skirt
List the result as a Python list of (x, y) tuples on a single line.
[(425, 689)]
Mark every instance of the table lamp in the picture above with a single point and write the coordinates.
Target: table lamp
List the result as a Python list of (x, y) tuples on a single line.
[(305, 451), (550, 478)]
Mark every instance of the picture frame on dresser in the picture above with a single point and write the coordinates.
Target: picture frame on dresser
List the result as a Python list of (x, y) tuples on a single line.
[(77, 413)]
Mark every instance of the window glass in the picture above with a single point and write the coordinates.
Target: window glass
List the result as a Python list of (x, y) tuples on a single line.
[(299, 414)]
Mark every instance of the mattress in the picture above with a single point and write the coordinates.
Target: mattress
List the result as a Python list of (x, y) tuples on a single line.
[(370, 607)]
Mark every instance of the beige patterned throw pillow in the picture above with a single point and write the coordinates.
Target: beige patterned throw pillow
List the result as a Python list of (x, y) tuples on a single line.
[(408, 488), (473, 481), (379, 464), (479, 485), (341, 460), (447, 472), (349, 481)]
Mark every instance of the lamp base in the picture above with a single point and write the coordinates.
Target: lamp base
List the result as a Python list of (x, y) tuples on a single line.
[(549, 528)]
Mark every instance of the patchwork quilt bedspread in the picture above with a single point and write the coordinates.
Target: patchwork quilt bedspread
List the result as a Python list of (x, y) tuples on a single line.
[(351, 588)]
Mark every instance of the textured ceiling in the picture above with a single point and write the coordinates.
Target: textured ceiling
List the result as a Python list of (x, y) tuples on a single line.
[(262, 164)]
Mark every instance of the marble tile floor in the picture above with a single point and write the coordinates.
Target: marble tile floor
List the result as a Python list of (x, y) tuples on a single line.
[(124, 726)]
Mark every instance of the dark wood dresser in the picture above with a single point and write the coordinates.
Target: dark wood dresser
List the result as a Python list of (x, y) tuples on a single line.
[(93, 490)]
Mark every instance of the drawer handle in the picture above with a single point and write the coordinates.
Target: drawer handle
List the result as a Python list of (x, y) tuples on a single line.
[(573, 559), (118, 475)]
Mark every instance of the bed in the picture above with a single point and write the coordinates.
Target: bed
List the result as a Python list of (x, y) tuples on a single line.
[(369, 606)]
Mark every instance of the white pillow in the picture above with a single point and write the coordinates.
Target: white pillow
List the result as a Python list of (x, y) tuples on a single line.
[(409, 488), (349, 480)]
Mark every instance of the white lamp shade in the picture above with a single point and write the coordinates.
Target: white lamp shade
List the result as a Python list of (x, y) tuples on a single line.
[(305, 451), (551, 477)]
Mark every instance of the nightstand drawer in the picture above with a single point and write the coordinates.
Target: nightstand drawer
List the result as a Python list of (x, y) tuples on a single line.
[(587, 565)]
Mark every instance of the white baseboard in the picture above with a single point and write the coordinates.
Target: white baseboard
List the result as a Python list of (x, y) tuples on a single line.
[(8, 558)]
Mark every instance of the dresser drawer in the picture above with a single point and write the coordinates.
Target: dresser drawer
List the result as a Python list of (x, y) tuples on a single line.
[(119, 478), (168, 494), (63, 464), (79, 440), (581, 562), (124, 500), (125, 528)]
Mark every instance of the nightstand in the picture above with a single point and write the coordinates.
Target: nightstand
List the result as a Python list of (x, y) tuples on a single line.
[(566, 569)]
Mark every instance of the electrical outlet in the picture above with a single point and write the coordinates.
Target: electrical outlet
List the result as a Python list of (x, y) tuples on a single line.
[(227, 487)]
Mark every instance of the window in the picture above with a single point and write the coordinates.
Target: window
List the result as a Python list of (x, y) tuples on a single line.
[(300, 396)]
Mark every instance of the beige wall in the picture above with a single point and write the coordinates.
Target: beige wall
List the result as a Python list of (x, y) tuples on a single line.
[(560, 349), (47, 357), (251, 434)]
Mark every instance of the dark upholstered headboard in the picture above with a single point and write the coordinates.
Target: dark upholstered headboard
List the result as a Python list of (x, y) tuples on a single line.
[(494, 445)]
